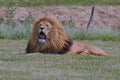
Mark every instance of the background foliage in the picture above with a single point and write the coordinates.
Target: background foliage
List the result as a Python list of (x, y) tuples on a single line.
[(33, 3)]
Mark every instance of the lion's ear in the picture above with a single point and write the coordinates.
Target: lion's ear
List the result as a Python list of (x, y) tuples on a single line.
[(37, 20)]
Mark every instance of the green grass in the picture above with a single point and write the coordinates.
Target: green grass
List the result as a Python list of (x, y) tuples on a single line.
[(104, 34), (33, 3), (58, 67), (17, 32), (14, 31)]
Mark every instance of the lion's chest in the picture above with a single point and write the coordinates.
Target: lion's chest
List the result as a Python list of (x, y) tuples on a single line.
[(49, 51), (45, 48)]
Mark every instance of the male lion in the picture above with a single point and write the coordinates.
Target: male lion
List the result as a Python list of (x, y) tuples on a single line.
[(48, 36)]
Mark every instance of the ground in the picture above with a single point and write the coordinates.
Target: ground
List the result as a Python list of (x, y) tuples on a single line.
[(58, 67), (104, 16)]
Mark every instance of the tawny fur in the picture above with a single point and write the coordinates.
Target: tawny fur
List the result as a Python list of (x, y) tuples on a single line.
[(58, 41), (78, 47)]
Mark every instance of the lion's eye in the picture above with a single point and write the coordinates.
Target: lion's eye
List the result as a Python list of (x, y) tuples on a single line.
[(40, 24), (47, 25)]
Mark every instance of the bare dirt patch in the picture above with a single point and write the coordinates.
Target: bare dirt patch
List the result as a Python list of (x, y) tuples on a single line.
[(104, 16)]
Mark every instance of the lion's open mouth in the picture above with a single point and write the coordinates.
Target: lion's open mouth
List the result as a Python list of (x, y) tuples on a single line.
[(42, 37)]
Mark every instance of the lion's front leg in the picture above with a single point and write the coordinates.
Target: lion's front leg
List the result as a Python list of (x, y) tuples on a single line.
[(29, 48)]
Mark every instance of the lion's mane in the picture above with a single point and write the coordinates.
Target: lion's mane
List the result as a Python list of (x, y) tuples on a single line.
[(58, 42)]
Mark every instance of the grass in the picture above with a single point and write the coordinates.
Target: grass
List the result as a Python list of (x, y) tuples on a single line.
[(14, 31), (17, 32), (58, 67), (34, 3), (104, 34)]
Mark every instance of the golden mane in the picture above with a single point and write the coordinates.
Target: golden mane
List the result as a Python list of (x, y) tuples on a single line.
[(58, 42)]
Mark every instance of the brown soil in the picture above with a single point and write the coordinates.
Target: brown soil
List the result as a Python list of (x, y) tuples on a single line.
[(104, 16)]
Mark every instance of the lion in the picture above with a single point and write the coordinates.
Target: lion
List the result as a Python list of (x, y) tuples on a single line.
[(49, 36)]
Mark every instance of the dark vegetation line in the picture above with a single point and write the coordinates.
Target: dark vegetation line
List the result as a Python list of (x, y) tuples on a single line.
[(35, 3)]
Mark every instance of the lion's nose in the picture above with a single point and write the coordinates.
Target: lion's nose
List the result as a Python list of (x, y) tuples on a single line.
[(41, 28)]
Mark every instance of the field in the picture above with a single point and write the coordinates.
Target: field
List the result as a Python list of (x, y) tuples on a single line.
[(58, 67), (13, 38)]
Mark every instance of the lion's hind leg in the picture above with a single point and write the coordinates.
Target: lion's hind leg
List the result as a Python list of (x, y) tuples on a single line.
[(90, 49)]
